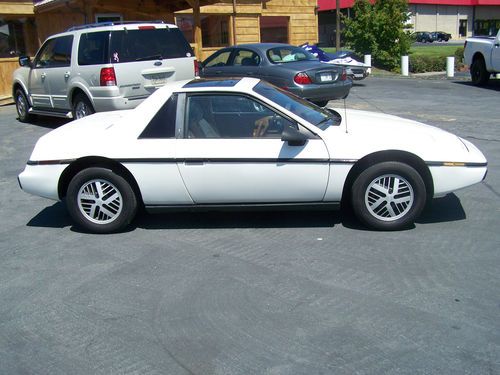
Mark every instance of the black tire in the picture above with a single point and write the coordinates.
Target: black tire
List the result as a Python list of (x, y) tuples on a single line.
[(81, 107), (22, 106), (478, 73), (89, 202), (321, 103), (369, 203)]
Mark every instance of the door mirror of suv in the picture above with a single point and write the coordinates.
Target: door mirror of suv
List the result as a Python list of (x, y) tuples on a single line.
[(24, 61), (293, 136)]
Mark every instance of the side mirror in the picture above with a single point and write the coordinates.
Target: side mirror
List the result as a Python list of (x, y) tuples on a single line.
[(293, 136), (24, 61)]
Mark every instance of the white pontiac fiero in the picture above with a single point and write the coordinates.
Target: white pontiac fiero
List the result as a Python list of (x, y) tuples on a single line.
[(245, 143)]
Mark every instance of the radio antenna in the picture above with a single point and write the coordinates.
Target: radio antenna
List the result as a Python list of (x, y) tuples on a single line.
[(345, 116)]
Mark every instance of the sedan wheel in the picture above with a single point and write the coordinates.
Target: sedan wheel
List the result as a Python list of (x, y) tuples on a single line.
[(101, 201), (388, 196)]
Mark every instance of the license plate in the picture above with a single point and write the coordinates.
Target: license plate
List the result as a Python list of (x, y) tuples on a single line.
[(158, 79), (326, 77)]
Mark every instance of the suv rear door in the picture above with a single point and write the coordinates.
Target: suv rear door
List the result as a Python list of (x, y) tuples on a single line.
[(147, 57)]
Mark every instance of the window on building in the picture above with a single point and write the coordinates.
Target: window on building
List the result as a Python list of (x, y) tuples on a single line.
[(486, 27), (108, 17), (214, 29), (273, 29), (11, 38)]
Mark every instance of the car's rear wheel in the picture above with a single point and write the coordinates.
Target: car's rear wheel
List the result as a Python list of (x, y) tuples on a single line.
[(101, 201), (82, 107), (388, 196), (478, 72), (22, 106), (321, 103)]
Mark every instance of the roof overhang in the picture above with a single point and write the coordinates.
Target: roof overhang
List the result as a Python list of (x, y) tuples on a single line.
[(171, 5)]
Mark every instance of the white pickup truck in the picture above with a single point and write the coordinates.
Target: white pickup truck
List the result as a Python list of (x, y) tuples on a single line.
[(482, 54)]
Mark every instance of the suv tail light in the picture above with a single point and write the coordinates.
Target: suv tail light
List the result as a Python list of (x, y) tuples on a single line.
[(302, 79), (196, 68), (108, 77)]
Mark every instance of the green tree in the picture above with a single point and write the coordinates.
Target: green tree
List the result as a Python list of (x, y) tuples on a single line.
[(379, 29)]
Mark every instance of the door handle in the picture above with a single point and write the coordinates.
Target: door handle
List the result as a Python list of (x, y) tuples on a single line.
[(67, 74), (43, 75), (218, 72)]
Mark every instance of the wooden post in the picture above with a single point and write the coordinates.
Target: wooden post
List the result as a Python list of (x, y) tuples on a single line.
[(197, 28)]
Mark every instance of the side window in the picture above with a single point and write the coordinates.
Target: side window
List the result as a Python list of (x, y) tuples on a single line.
[(219, 59), (93, 48), (244, 57), (55, 53), (232, 116), (42, 59), (163, 123)]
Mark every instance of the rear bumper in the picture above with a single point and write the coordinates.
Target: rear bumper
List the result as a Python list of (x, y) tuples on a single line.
[(111, 99), (322, 92)]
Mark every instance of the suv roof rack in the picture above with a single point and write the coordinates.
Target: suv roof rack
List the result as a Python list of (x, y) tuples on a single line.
[(110, 23)]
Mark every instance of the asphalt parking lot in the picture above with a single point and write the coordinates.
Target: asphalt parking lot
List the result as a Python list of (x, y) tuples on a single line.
[(260, 293)]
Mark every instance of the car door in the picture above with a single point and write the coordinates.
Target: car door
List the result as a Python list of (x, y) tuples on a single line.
[(39, 89), (231, 152), (243, 63), (495, 53), (217, 65), (59, 72)]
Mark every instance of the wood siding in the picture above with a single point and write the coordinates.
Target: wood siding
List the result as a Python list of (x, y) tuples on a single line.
[(302, 16)]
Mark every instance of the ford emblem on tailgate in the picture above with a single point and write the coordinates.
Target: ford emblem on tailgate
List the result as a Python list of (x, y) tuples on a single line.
[(158, 63)]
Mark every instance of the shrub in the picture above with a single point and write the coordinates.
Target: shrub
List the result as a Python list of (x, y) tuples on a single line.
[(423, 64)]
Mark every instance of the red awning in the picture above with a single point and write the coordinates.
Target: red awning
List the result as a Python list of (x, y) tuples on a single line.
[(330, 4)]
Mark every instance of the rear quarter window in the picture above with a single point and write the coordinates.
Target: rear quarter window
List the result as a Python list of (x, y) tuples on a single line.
[(148, 44), (93, 48)]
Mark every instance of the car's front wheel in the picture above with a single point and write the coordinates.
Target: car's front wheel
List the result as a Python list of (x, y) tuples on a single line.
[(101, 201), (22, 106), (82, 107), (388, 196), (321, 103)]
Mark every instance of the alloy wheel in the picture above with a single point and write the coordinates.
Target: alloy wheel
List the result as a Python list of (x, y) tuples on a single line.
[(389, 197), (100, 201)]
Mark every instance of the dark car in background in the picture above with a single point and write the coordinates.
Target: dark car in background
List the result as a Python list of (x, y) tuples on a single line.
[(286, 66), (423, 37), (440, 36)]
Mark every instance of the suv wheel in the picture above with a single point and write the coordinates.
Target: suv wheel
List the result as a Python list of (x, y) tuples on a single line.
[(82, 107), (22, 106)]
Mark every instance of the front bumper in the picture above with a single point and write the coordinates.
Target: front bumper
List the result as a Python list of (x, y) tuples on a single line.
[(41, 180)]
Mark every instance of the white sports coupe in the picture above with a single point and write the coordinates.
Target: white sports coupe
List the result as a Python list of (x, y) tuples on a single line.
[(243, 143)]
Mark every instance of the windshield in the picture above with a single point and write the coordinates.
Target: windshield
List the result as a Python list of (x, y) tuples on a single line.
[(148, 44), (285, 54), (320, 117)]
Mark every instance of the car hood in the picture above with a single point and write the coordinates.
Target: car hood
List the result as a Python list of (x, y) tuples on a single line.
[(80, 137), (362, 133)]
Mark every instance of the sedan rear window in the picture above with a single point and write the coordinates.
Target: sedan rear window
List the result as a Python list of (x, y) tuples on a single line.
[(286, 54), (148, 44)]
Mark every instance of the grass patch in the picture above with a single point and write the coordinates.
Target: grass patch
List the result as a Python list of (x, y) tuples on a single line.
[(433, 51)]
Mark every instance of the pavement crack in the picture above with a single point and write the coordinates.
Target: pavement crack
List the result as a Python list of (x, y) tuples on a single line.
[(492, 189), (482, 139)]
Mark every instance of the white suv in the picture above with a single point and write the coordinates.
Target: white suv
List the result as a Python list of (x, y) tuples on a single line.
[(101, 67)]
